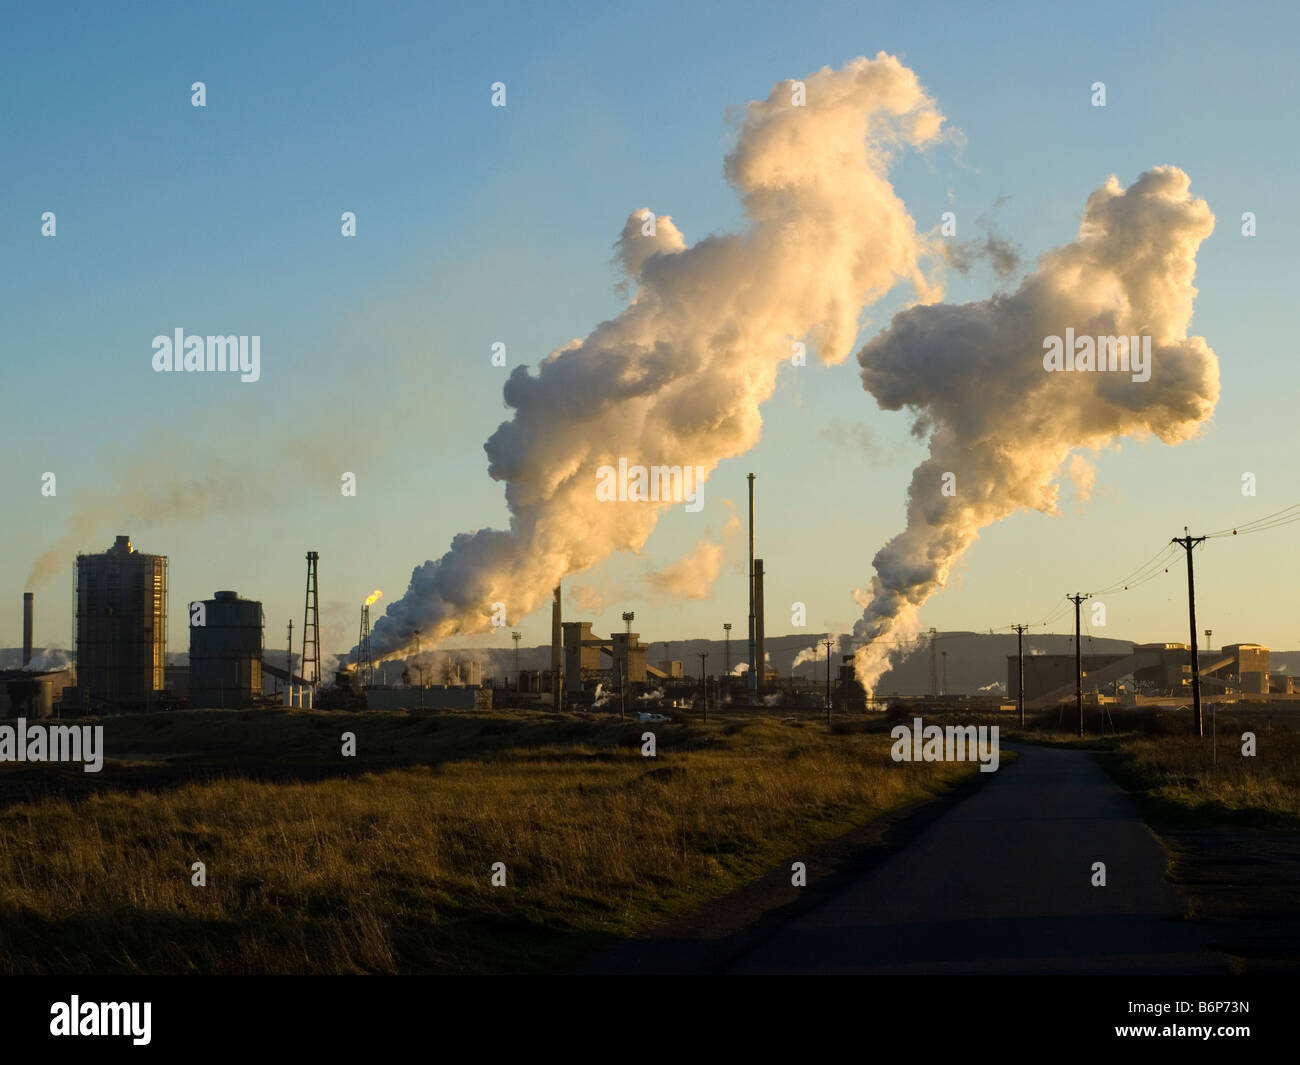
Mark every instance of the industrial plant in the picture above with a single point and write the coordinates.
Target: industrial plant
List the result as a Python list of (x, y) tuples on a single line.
[(1152, 675), (121, 625), (122, 664)]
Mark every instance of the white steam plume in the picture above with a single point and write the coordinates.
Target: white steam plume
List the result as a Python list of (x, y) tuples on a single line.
[(678, 377), (974, 378), (815, 653), (692, 576), (49, 658)]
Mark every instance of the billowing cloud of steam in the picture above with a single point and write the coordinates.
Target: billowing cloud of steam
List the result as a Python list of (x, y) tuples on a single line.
[(590, 599), (692, 576), (815, 653), (1083, 475), (49, 658), (973, 376), (678, 377)]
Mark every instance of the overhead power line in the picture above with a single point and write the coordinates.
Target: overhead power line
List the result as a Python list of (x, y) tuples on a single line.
[(1285, 516)]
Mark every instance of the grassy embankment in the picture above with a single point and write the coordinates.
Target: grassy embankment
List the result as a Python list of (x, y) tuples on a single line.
[(382, 863)]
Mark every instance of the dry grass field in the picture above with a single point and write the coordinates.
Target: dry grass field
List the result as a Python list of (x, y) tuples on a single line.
[(383, 863)]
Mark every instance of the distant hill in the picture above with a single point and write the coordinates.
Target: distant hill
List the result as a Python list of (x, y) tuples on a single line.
[(975, 660)]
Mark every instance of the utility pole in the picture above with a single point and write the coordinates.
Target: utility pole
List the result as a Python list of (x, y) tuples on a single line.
[(419, 668), (288, 663), (1020, 654), (828, 680), (1078, 659), (704, 684), (934, 672), (516, 636), (751, 678), (726, 652), (1187, 542), (624, 687)]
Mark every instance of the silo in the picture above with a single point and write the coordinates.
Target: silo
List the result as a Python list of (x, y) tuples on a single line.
[(121, 625), (226, 652)]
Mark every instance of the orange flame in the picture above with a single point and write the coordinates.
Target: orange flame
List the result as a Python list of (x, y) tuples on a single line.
[(373, 596)]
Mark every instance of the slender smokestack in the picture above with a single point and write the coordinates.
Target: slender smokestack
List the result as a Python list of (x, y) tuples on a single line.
[(556, 649), (27, 627), (751, 678), (758, 623)]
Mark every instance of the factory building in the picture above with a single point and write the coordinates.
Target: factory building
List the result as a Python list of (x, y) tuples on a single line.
[(225, 652), (1250, 665), (121, 625), (459, 673), (1048, 673), (1238, 671), (36, 693), (582, 651), (626, 654)]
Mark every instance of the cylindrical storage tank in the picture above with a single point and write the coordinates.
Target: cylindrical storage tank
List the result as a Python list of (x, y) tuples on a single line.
[(306, 697), (288, 695), (225, 651)]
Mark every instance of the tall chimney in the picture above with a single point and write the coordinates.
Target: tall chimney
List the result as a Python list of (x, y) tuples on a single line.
[(27, 628), (556, 649), (751, 678), (758, 622)]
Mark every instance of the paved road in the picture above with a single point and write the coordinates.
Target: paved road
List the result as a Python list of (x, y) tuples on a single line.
[(1002, 884)]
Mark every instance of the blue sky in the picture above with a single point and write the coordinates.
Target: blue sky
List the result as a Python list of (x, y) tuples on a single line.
[(478, 224)]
